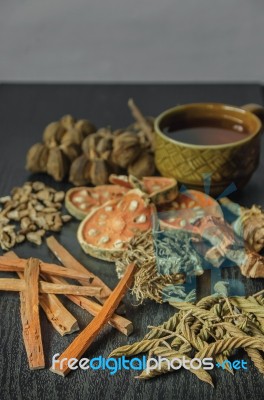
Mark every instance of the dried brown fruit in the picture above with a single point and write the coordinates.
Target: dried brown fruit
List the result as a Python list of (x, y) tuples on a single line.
[(72, 151), (89, 144), (99, 172), (58, 164), (67, 122), (85, 126), (144, 165), (53, 133), (37, 157), (126, 148), (80, 171)]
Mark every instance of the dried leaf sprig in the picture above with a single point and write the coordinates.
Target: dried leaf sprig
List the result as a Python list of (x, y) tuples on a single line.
[(231, 324)]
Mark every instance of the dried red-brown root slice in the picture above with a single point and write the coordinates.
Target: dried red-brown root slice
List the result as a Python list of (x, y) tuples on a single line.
[(79, 201), (160, 190), (189, 206), (106, 231)]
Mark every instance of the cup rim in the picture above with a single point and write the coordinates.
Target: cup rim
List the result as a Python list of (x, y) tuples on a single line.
[(226, 107)]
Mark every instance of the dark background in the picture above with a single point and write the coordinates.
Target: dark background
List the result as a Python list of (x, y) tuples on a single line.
[(24, 111)]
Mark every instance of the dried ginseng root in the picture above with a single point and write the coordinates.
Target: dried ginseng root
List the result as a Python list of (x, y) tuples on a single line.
[(80, 201), (159, 189), (188, 207), (249, 224), (106, 231)]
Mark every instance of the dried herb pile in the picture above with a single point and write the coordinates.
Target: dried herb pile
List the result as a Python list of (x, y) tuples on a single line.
[(148, 283), (29, 212), (76, 150), (215, 327)]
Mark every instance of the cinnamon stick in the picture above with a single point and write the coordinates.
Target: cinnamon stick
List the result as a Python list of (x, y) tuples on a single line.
[(87, 336), (60, 318), (30, 316), (18, 265), (122, 324), (70, 262), (18, 285)]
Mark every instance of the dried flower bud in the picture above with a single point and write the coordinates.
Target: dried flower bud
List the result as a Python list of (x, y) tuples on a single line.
[(80, 171), (37, 157), (58, 164), (126, 148), (144, 165)]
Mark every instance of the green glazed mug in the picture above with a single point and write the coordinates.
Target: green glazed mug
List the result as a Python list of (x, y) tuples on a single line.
[(233, 162)]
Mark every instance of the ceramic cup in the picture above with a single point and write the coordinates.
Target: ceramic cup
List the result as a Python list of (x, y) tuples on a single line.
[(226, 163)]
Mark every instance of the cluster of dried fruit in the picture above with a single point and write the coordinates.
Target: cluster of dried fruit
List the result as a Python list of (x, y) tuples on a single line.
[(120, 151), (37, 209), (61, 145), (114, 214), (76, 149)]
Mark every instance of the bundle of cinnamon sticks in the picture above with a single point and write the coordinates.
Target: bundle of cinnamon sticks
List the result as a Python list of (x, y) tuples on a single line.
[(38, 284)]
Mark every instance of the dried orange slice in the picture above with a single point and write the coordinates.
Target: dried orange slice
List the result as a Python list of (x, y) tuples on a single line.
[(160, 190), (79, 201), (106, 231), (189, 206)]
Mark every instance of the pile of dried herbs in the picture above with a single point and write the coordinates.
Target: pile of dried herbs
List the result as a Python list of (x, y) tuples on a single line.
[(215, 327)]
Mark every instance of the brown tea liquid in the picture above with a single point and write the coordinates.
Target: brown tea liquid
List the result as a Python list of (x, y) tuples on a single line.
[(205, 131)]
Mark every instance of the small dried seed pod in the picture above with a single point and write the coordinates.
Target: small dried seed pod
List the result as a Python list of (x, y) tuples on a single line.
[(99, 172), (89, 144), (80, 171), (144, 165), (85, 126), (72, 151), (104, 144), (37, 157), (67, 122), (58, 164), (126, 148), (53, 133)]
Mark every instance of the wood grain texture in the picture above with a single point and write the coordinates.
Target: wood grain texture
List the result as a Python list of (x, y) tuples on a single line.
[(34, 106), (18, 285), (29, 306)]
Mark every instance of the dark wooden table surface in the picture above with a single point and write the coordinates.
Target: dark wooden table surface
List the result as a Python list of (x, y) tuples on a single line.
[(24, 112)]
